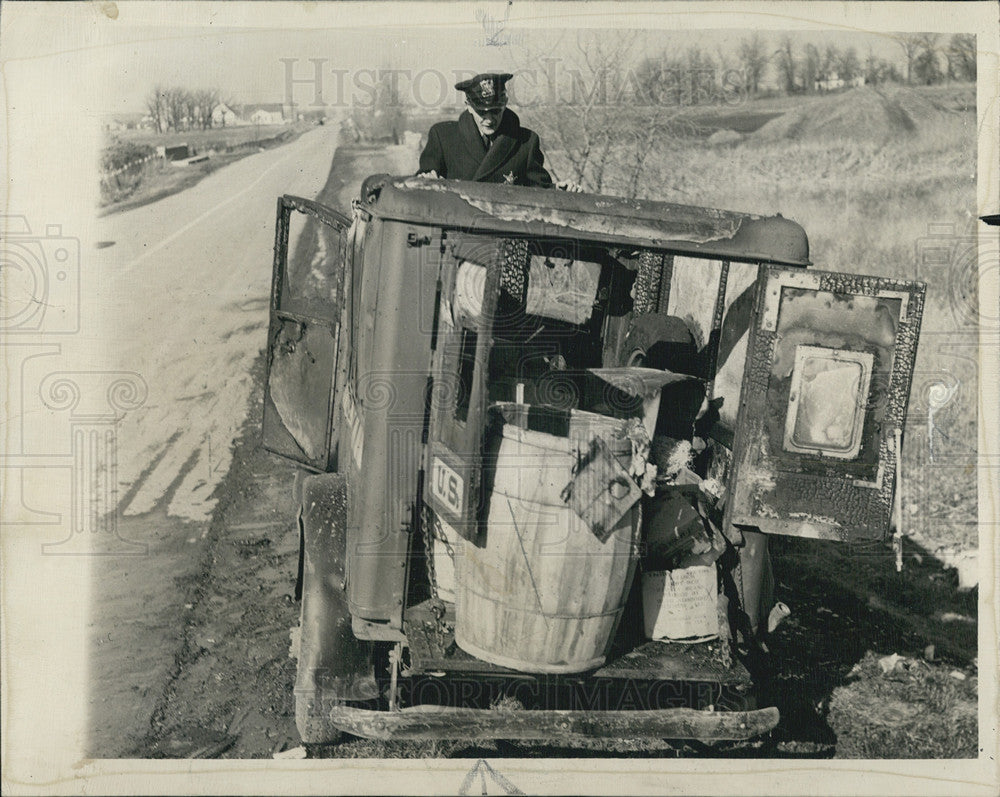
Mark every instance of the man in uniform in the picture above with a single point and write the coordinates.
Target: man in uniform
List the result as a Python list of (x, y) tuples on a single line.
[(487, 144)]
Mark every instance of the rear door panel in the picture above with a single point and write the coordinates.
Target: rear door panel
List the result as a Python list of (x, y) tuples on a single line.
[(303, 339), (827, 382)]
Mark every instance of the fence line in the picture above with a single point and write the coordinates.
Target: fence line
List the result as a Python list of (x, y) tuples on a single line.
[(217, 148), (129, 165)]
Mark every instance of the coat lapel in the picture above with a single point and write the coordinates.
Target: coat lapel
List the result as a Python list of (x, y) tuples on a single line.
[(471, 140), (503, 147)]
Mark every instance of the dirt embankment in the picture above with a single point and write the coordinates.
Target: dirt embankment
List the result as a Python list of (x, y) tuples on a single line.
[(864, 114)]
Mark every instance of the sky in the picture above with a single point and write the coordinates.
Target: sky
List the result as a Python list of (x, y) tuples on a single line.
[(247, 50), (254, 65)]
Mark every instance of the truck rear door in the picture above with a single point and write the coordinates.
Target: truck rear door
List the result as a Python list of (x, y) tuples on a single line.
[(825, 389), (304, 337)]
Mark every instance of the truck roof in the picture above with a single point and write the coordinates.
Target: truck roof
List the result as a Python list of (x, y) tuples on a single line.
[(684, 229)]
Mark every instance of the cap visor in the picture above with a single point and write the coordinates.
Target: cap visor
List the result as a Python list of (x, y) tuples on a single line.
[(494, 106)]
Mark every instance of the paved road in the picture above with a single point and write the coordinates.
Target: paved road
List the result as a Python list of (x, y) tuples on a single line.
[(182, 297)]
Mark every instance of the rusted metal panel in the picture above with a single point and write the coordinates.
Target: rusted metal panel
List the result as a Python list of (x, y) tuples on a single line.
[(731, 351), (817, 487), (389, 385), (694, 290), (332, 664), (442, 722), (650, 282), (704, 232), (303, 340)]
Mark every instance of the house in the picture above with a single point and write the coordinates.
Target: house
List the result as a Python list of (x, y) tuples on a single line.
[(116, 123), (224, 116), (265, 113), (262, 117), (831, 81)]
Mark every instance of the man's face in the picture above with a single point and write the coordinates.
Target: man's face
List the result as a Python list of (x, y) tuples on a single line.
[(488, 122)]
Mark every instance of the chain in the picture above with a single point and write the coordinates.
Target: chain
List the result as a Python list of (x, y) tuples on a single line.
[(432, 532), (429, 524)]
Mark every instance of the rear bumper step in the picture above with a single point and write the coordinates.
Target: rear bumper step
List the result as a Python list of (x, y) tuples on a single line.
[(444, 722)]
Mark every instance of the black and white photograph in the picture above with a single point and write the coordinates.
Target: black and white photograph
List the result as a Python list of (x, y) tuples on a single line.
[(500, 397)]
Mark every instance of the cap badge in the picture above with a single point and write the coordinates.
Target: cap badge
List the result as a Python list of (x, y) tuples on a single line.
[(486, 87)]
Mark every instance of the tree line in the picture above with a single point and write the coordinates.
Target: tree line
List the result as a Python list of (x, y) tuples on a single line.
[(176, 108), (805, 69), (624, 109)]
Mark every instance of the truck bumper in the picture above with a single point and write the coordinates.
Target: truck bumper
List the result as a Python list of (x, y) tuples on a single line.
[(443, 722)]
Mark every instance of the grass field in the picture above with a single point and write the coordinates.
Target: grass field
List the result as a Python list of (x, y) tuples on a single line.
[(883, 181), (203, 140)]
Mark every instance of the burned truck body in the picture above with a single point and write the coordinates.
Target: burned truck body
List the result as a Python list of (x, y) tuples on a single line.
[(543, 438)]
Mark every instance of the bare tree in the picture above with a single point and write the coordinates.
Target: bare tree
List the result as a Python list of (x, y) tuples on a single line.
[(784, 58), (753, 59), (611, 111), (831, 59), (383, 117), (872, 70), (962, 57), (175, 100), (910, 43), (812, 64), (848, 65), (156, 107), (926, 66), (206, 101), (190, 109)]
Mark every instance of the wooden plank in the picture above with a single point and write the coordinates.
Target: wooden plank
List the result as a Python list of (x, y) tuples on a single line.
[(639, 381), (443, 722), (677, 661)]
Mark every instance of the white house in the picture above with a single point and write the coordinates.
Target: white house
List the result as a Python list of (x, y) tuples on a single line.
[(262, 117), (832, 81), (224, 116), (266, 113)]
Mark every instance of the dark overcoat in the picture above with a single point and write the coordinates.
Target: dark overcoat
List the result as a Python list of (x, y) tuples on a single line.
[(457, 151)]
